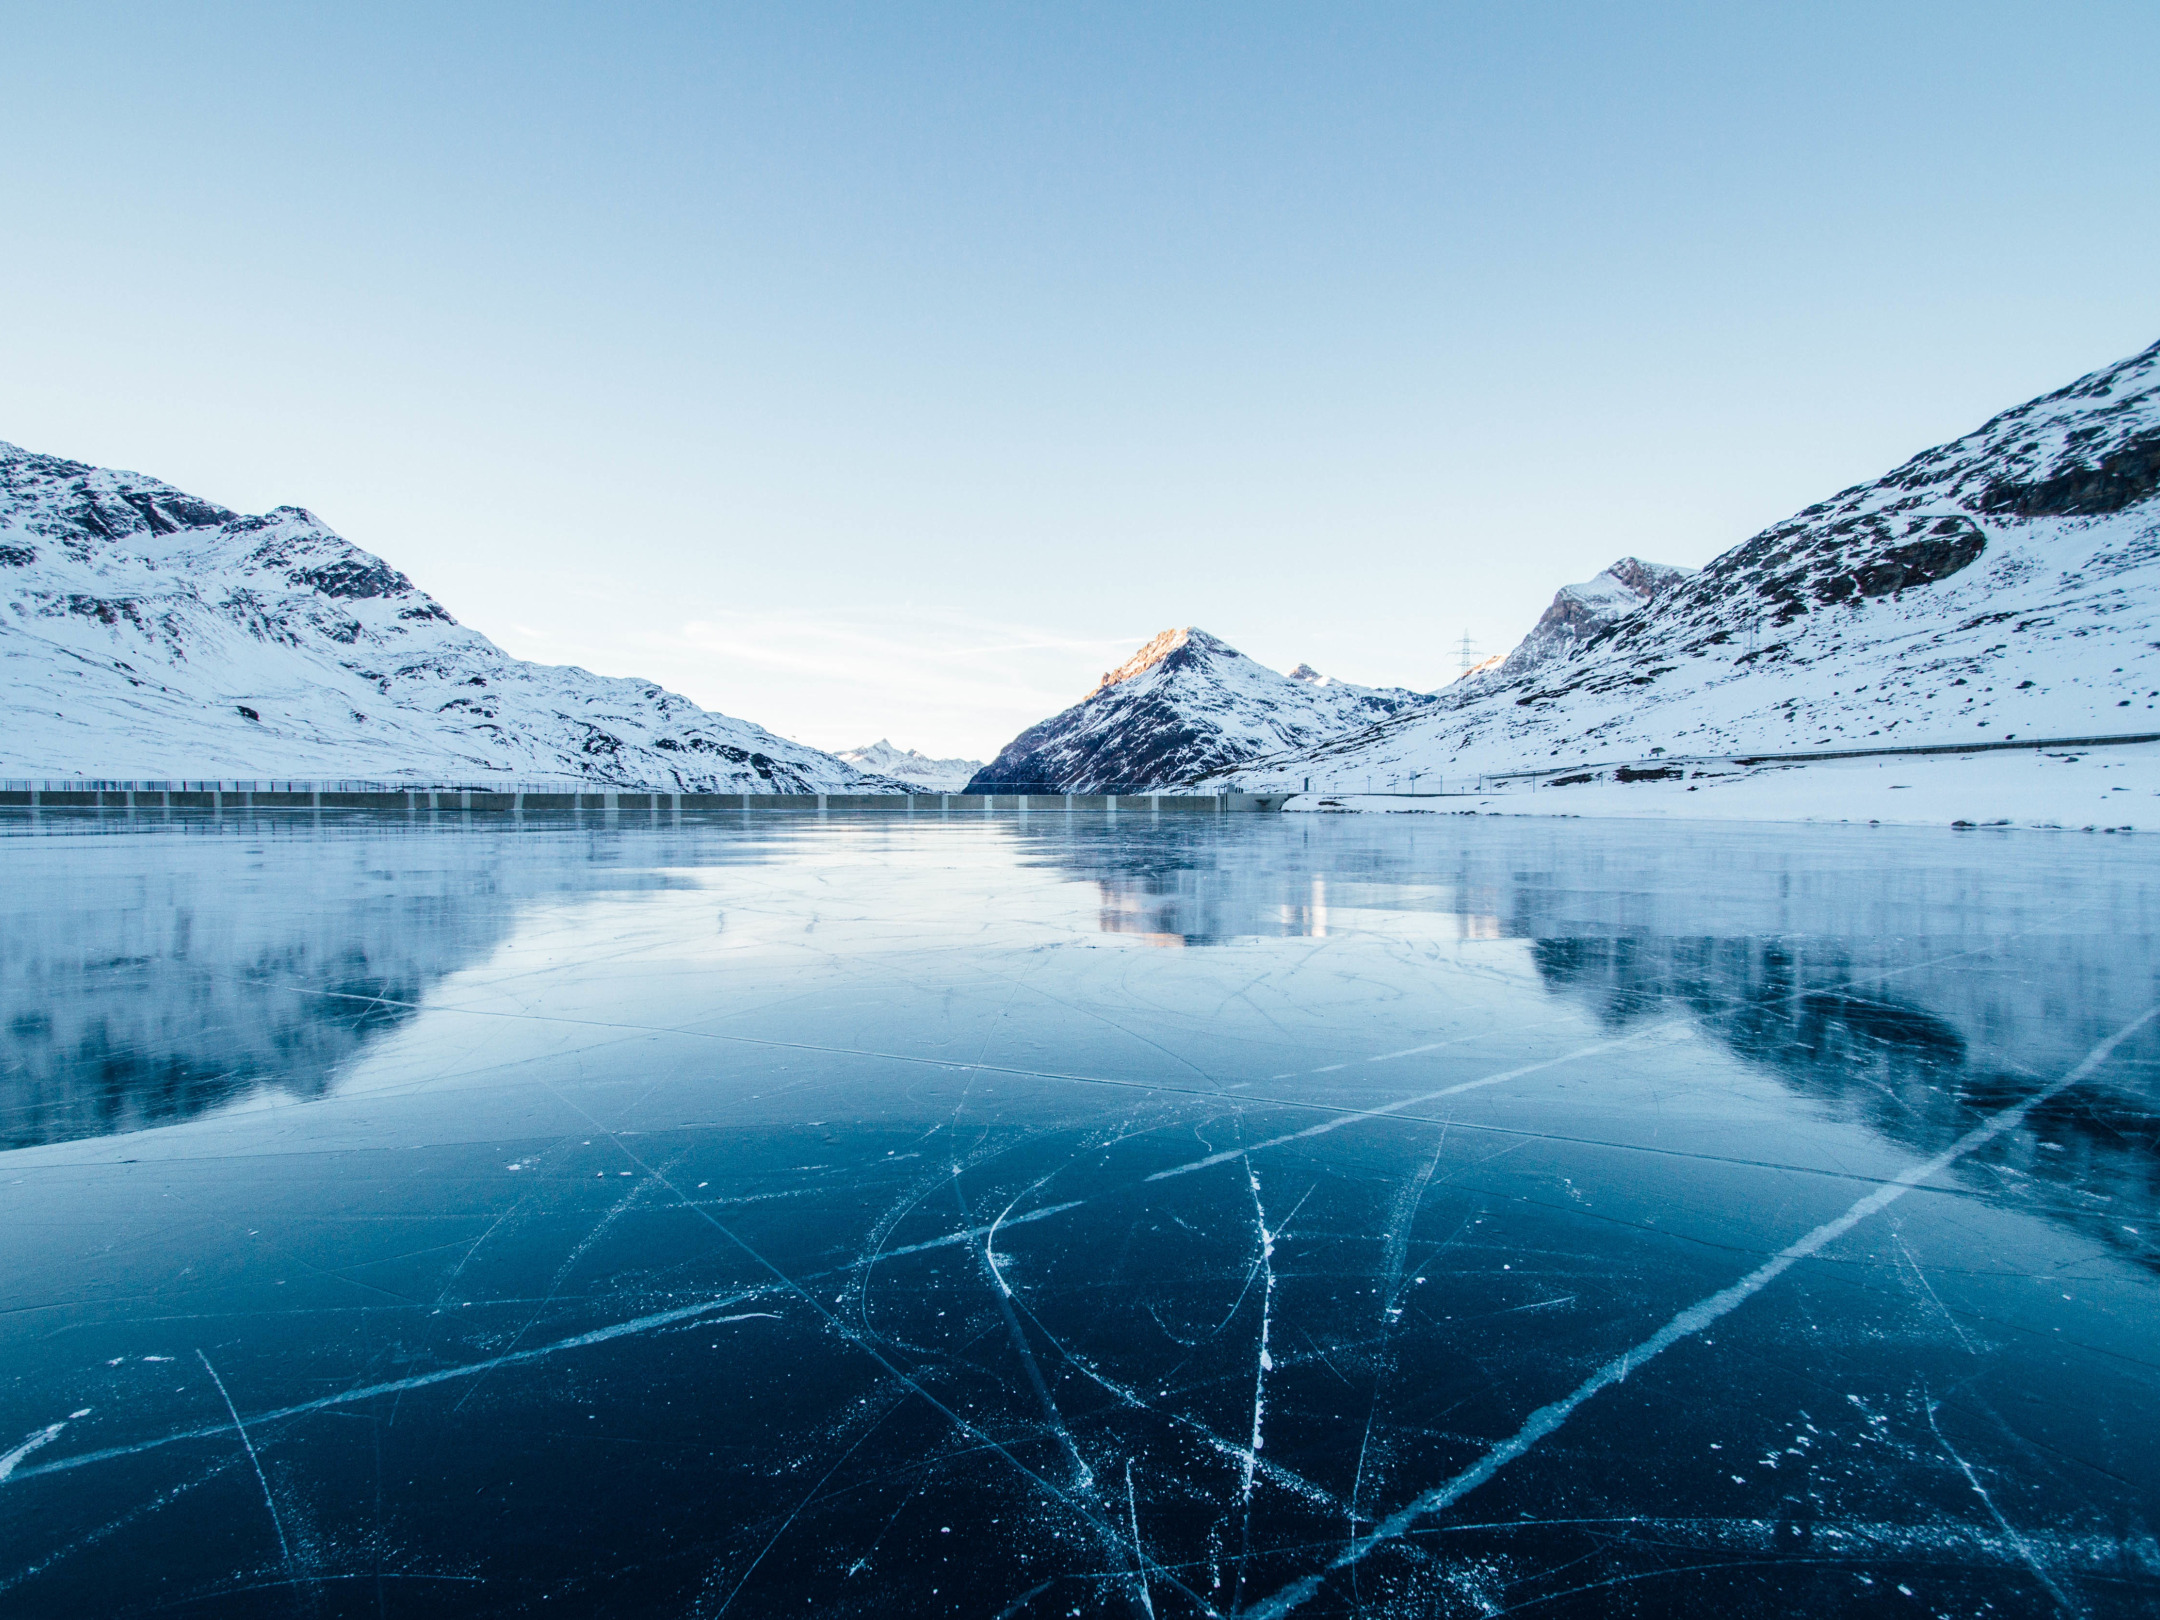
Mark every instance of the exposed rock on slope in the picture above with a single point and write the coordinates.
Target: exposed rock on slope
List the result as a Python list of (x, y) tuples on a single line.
[(150, 634), (906, 766), (1184, 704), (1579, 612), (2004, 585)]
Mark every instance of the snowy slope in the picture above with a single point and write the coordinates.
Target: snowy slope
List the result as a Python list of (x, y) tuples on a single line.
[(2003, 585), (148, 634), (1184, 704), (2112, 789), (916, 770)]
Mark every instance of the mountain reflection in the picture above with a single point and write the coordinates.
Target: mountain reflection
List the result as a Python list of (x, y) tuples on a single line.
[(1962, 1036), (1905, 982), (148, 977), (1178, 883)]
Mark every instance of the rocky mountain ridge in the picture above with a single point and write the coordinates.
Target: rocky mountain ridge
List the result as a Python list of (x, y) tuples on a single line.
[(1186, 703), (2002, 585), (1579, 612)]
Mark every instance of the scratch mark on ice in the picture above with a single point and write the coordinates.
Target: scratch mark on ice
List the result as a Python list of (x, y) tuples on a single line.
[(1266, 1362), (795, 1512), (1083, 1477), (1132, 1511), (276, 1523), (2032, 1562), (1274, 1473), (1352, 1116), (1403, 1218), (397, 1386), (985, 1232), (1263, 1364)]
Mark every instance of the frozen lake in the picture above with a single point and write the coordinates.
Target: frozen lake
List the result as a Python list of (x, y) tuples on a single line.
[(1040, 1217)]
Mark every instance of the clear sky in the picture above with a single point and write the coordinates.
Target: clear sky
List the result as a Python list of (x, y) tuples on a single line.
[(894, 369)]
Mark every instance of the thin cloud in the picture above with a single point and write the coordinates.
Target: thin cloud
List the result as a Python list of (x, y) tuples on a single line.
[(929, 677)]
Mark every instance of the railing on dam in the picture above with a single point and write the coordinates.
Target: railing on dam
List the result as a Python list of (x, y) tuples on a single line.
[(502, 798)]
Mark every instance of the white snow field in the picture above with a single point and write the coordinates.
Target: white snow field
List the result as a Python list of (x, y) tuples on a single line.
[(2113, 789), (2000, 587), (147, 634)]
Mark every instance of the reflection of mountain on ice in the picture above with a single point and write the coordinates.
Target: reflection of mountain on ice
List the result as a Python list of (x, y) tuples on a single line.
[(1904, 984), (149, 633), (253, 954), (1921, 1058)]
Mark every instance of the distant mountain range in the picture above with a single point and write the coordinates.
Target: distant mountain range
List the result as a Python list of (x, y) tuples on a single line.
[(1185, 704), (1189, 704), (1998, 587), (905, 765), (150, 634)]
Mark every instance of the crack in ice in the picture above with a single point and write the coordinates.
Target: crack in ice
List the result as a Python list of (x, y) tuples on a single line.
[(1702, 1314), (1352, 1116)]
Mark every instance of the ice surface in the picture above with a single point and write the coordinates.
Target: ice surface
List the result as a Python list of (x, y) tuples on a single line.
[(1030, 1215)]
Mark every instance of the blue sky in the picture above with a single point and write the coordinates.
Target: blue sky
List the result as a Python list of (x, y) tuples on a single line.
[(893, 370)]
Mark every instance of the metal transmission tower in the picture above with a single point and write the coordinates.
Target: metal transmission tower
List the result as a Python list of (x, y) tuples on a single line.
[(1468, 653)]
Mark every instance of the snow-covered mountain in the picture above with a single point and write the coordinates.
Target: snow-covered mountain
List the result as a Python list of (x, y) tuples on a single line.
[(907, 766), (1184, 704), (149, 634), (2005, 585), (1579, 612)]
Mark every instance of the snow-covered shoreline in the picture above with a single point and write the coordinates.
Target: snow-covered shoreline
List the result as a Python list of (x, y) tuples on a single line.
[(2071, 789)]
